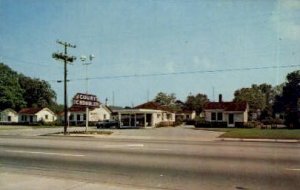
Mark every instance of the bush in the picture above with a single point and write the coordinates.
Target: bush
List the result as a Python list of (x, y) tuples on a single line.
[(254, 124), (239, 125), (207, 124), (272, 121), (165, 124)]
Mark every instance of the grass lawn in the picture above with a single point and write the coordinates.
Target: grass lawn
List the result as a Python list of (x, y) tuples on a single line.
[(259, 133), (8, 127)]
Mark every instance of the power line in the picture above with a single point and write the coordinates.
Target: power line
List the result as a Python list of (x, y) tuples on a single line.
[(184, 72)]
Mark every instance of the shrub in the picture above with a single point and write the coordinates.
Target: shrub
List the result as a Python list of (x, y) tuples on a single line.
[(207, 124), (165, 124), (254, 124)]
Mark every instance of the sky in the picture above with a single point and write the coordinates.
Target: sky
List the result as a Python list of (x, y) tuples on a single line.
[(143, 47)]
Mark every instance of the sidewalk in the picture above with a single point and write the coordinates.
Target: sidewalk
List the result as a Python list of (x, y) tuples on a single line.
[(13, 181)]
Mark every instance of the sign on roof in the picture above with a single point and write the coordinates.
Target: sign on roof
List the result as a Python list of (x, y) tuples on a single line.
[(86, 100)]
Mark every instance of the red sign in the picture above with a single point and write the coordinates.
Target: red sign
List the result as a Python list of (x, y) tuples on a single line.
[(86, 100)]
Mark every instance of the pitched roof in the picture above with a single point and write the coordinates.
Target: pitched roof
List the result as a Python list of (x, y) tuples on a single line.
[(226, 106), (30, 111), (153, 106), (77, 109), (9, 110), (185, 112)]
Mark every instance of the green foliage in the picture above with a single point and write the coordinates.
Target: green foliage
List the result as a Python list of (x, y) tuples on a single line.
[(18, 91), (37, 93), (10, 89), (165, 99), (196, 102), (254, 96), (289, 101)]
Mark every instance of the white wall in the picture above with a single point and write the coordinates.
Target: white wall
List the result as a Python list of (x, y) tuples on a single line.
[(9, 113), (97, 114), (45, 115), (100, 113)]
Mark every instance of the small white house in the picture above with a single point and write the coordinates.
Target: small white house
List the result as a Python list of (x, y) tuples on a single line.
[(34, 115), (186, 115), (8, 116), (229, 112)]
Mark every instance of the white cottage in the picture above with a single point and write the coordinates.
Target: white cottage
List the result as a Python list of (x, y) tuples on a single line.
[(229, 112), (34, 115), (8, 116)]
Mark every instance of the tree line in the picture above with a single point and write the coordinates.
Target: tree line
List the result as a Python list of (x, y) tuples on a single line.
[(18, 91)]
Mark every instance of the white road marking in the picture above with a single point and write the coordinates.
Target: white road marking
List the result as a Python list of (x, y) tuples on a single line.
[(122, 145), (293, 169), (135, 145), (45, 153)]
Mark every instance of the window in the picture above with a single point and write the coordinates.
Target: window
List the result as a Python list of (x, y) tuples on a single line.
[(46, 116), (213, 116), (8, 118), (84, 117), (71, 117), (169, 116), (104, 116), (220, 116), (23, 118), (78, 117)]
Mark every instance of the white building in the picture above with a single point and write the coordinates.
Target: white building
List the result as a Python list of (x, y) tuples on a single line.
[(8, 116), (229, 112), (149, 114), (34, 115), (77, 115), (186, 115)]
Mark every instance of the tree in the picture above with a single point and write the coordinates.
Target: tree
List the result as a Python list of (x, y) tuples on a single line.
[(289, 101), (254, 96), (37, 93), (196, 102), (18, 91), (165, 99), (10, 90)]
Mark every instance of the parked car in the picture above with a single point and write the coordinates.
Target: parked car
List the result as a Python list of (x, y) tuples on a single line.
[(107, 124)]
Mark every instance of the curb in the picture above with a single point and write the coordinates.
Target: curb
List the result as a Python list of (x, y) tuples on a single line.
[(260, 140)]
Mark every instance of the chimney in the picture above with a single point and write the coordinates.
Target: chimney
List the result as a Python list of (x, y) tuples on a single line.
[(220, 98)]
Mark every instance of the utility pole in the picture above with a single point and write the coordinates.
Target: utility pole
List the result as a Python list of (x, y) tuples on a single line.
[(67, 59)]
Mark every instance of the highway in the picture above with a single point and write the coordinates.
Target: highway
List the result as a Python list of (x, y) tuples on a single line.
[(154, 164)]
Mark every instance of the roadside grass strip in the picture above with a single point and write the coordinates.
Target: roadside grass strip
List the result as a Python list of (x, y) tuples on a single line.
[(261, 133)]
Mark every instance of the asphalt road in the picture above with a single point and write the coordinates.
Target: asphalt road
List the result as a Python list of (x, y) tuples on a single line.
[(153, 164)]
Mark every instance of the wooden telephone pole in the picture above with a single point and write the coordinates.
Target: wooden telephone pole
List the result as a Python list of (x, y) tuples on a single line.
[(67, 59)]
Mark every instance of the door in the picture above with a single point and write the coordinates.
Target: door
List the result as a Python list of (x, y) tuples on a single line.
[(31, 119), (231, 119)]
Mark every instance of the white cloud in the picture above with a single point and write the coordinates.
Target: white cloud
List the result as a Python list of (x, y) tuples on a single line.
[(284, 19)]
